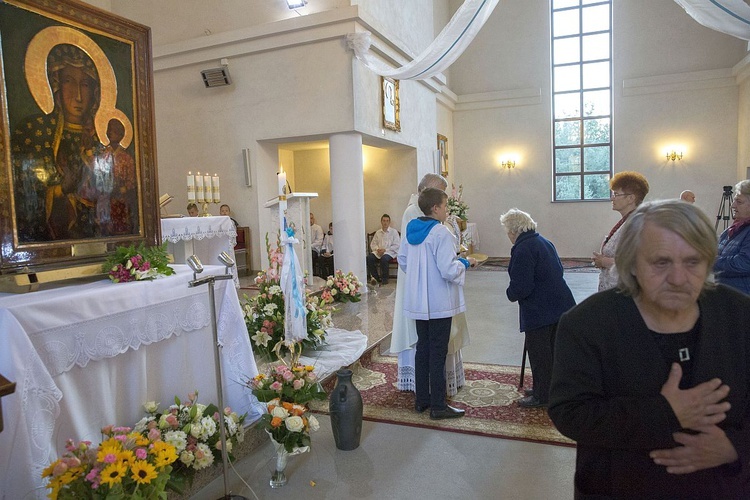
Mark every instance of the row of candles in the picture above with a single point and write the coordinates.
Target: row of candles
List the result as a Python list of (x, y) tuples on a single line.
[(203, 188)]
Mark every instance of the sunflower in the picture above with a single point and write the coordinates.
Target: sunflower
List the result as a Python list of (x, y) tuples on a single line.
[(166, 456), (113, 473), (143, 472)]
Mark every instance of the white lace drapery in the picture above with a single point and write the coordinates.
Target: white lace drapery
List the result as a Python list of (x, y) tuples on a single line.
[(727, 16), (198, 228), (442, 52), (205, 237)]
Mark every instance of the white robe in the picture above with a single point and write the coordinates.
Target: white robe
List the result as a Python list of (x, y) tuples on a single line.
[(434, 276)]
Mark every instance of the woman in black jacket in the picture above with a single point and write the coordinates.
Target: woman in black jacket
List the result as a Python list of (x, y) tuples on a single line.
[(537, 284)]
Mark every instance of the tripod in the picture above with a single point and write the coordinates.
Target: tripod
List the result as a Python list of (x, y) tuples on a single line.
[(725, 208)]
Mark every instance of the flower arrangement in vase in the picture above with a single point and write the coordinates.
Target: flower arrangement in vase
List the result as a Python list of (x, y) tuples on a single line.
[(193, 429), (125, 465), (137, 264), (342, 287), (264, 312), (456, 206), (288, 422)]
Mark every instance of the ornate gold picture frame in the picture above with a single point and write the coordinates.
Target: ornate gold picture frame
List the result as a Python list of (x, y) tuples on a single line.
[(442, 145), (77, 150), (391, 104)]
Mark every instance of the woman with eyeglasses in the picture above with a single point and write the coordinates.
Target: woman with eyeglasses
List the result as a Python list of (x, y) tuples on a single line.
[(732, 266), (628, 191)]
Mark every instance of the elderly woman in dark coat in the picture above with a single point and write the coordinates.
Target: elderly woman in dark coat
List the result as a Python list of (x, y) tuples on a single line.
[(536, 282), (732, 265), (652, 379)]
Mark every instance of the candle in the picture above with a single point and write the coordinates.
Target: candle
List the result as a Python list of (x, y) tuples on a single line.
[(207, 188), (191, 187), (215, 188), (199, 188), (282, 199)]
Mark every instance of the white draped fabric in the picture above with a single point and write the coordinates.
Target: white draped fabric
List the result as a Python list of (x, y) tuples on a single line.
[(442, 52), (727, 16), (293, 288), (342, 348)]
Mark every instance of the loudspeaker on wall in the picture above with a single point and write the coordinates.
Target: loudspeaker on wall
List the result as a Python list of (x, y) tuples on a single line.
[(248, 172)]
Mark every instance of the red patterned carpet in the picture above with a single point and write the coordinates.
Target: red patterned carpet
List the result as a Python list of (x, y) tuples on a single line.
[(488, 397)]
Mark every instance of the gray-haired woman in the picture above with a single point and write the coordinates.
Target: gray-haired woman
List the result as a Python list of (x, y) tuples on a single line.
[(537, 284), (732, 266)]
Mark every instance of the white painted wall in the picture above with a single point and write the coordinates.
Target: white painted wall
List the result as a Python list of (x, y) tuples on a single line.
[(295, 81), (175, 21), (672, 83)]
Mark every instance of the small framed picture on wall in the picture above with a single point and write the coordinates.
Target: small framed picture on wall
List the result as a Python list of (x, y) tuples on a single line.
[(391, 105), (442, 145)]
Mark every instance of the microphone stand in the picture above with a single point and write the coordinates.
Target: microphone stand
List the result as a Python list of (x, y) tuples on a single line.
[(211, 280)]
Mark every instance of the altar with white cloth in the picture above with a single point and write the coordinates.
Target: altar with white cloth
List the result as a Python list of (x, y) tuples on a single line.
[(90, 355), (205, 237)]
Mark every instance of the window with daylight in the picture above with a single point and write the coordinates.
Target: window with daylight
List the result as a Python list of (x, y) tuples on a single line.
[(582, 98)]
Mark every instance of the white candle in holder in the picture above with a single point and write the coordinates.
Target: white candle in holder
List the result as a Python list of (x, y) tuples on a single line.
[(207, 188), (215, 188), (199, 193), (191, 187), (282, 198)]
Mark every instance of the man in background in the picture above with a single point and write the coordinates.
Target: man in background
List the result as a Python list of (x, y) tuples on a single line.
[(687, 196), (316, 244), (384, 246)]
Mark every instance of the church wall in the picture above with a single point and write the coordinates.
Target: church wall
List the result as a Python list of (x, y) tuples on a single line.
[(742, 70), (200, 128), (287, 86), (388, 173), (673, 84), (175, 21)]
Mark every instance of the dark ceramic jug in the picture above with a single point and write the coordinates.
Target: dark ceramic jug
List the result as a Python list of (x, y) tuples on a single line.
[(345, 405)]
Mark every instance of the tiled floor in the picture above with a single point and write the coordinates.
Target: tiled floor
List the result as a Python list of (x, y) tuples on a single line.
[(399, 462)]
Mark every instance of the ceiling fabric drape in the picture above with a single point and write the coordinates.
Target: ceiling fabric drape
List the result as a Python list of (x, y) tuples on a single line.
[(727, 16), (442, 52)]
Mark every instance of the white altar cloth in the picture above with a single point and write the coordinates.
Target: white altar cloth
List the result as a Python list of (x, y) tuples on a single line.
[(86, 356), (205, 237)]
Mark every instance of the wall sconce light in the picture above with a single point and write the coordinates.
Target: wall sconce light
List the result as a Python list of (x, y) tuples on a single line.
[(673, 155), (296, 4), (508, 164)]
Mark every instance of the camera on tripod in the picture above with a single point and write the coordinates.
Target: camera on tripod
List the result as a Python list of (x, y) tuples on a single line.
[(725, 208)]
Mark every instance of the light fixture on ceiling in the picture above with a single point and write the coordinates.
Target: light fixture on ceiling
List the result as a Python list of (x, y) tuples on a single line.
[(508, 164), (217, 77), (296, 4)]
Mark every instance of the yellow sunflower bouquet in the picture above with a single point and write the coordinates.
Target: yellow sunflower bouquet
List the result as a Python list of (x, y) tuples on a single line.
[(125, 465)]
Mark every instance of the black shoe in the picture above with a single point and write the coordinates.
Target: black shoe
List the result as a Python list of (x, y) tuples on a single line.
[(421, 407), (531, 402), (449, 412), (528, 392)]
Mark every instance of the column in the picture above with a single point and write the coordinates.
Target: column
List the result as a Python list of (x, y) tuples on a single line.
[(348, 203)]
